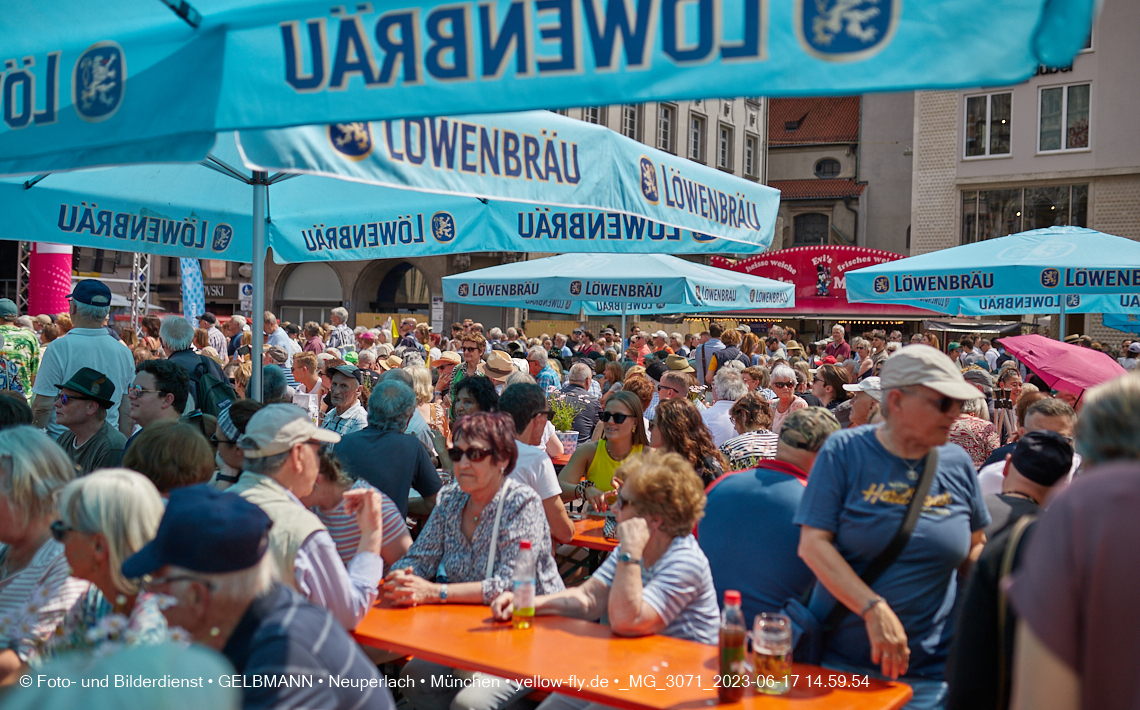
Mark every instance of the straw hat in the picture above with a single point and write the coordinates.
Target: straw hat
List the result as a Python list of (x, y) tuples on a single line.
[(498, 365), (390, 362)]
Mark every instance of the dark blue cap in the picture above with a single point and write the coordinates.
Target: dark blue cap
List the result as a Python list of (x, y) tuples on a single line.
[(1043, 457), (204, 530), (91, 292)]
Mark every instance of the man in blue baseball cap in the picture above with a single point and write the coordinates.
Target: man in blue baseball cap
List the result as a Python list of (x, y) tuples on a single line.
[(210, 555), (88, 344)]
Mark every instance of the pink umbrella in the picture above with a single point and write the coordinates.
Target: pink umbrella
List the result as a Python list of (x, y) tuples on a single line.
[(1069, 368)]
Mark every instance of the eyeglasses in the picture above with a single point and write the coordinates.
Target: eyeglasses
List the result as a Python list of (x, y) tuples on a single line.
[(617, 418), (783, 384), (218, 442), (149, 583), (59, 530), (473, 455), (471, 349), (622, 502), (65, 398), (134, 391), (943, 404), (667, 387)]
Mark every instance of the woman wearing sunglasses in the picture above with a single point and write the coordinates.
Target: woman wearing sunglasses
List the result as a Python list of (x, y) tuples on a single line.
[(784, 385), (591, 469), (104, 518), (474, 531)]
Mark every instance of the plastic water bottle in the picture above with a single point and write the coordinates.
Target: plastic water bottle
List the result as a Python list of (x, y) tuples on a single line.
[(734, 671), (523, 614)]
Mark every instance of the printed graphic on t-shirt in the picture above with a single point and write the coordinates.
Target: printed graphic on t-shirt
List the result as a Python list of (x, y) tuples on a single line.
[(899, 493)]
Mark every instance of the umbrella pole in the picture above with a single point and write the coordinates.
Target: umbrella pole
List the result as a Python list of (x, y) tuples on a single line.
[(260, 188), (1061, 320), (621, 338)]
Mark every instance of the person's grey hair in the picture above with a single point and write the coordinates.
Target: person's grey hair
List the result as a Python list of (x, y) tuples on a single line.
[(121, 504), (412, 358), (893, 346), (27, 323), (177, 333), (517, 377), (32, 469), (580, 372), (401, 375), (495, 334), (265, 465), (733, 365), (391, 404), (384, 350), (1109, 425), (268, 317), (366, 357), (238, 587), (538, 354), (677, 336), (240, 320), (421, 383), (728, 384), (976, 407), (856, 342), (95, 313), (273, 383), (1052, 407), (339, 312), (679, 380), (839, 328)]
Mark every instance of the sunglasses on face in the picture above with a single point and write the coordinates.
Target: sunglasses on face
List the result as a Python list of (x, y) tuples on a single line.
[(59, 530), (943, 404), (783, 384), (134, 391), (217, 442), (471, 349), (617, 418), (473, 455), (65, 398)]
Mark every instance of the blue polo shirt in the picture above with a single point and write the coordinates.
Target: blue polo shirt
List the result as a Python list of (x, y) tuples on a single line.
[(859, 491), (749, 537)]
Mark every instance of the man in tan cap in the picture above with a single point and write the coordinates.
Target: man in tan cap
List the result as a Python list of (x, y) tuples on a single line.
[(281, 466), (498, 366), (860, 488)]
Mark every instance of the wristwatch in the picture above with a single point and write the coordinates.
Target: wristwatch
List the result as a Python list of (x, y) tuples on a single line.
[(628, 558), (443, 594)]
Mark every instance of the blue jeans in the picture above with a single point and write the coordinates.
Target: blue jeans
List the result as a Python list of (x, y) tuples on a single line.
[(929, 693)]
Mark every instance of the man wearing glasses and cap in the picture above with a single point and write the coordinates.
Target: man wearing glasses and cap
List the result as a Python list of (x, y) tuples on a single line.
[(81, 406)]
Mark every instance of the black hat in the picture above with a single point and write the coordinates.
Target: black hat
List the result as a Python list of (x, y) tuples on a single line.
[(1043, 457), (655, 369), (91, 292), (204, 530), (94, 384)]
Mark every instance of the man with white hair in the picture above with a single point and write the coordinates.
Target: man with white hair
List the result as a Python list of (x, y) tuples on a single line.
[(728, 386), (88, 344), (274, 334), (577, 389), (838, 347), (660, 343), (282, 464), (560, 346), (544, 375), (233, 330), (177, 336), (341, 335)]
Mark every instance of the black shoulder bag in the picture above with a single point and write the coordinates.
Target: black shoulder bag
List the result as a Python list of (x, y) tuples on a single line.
[(809, 634)]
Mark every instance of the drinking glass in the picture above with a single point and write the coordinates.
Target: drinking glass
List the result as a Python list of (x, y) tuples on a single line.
[(772, 653)]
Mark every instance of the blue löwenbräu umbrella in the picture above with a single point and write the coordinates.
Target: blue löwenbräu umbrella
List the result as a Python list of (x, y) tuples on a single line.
[(206, 211), (612, 284), (108, 83), (1051, 270)]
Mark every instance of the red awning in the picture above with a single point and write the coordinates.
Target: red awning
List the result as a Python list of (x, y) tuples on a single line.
[(820, 276)]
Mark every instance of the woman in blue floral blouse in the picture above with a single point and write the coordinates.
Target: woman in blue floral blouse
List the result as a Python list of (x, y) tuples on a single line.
[(474, 531)]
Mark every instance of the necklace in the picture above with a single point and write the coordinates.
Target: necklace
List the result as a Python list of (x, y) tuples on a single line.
[(911, 468)]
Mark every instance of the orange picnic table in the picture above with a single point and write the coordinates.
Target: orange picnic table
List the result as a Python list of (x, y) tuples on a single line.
[(583, 658), (588, 534)]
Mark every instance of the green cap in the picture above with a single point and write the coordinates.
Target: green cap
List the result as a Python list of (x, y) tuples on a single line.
[(93, 384), (807, 429), (953, 346)]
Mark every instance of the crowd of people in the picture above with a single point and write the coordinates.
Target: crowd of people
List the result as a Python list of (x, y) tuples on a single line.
[(880, 493)]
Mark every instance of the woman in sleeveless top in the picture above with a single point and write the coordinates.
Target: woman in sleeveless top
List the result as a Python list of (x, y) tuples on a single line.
[(590, 472)]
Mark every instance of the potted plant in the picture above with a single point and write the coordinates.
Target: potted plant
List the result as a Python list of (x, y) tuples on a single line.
[(564, 408)]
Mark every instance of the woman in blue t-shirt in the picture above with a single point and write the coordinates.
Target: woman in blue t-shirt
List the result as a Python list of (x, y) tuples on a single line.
[(856, 497)]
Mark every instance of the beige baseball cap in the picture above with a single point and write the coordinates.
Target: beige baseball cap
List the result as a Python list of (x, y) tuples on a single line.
[(277, 428), (924, 365)]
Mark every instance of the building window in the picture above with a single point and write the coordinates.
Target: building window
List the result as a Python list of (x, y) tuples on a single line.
[(666, 127), (631, 121), (827, 168), (988, 123), (810, 228), (988, 214), (1064, 118), (697, 138), (724, 147), (561, 111), (751, 156), (594, 114), (87, 260)]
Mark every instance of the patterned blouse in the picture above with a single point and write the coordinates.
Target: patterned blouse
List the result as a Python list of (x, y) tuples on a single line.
[(977, 436), (746, 450), (442, 540), (93, 626)]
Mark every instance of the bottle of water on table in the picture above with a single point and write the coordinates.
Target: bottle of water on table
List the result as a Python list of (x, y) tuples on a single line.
[(524, 587)]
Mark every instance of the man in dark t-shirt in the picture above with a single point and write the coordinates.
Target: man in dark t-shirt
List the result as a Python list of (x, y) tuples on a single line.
[(1040, 459), (81, 406)]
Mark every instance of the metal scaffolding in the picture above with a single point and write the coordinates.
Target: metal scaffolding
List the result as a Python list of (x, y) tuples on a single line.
[(139, 293)]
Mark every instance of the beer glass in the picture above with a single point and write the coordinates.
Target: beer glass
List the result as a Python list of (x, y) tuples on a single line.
[(772, 653)]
